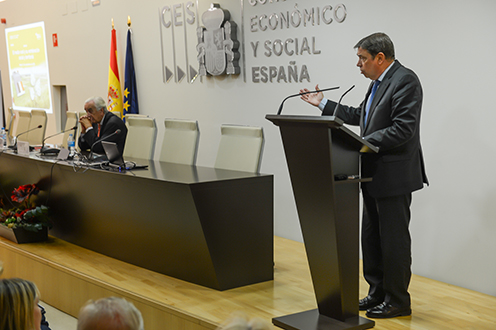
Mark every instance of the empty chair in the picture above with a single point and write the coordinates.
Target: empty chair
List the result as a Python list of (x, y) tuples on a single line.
[(141, 136), (133, 115), (23, 119), (36, 136), (180, 144), (10, 125), (71, 121), (80, 114), (240, 148), (136, 115)]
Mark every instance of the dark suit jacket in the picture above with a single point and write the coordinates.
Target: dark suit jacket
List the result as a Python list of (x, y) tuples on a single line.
[(111, 123), (393, 125)]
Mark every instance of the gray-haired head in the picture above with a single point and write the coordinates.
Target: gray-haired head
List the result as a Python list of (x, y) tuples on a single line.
[(99, 103), (240, 321), (111, 313)]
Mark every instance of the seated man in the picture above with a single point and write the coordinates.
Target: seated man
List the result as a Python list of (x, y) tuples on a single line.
[(109, 313), (98, 125)]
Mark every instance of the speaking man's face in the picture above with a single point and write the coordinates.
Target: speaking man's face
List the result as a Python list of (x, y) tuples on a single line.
[(369, 66)]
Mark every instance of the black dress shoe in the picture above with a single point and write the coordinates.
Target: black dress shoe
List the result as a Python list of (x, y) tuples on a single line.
[(369, 302), (385, 311)]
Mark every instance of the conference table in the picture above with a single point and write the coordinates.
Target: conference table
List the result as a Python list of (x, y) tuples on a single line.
[(208, 226)]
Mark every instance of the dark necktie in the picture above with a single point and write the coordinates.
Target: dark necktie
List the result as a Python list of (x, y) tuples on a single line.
[(369, 102)]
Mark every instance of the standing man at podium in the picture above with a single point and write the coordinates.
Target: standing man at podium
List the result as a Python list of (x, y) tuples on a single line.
[(389, 118)]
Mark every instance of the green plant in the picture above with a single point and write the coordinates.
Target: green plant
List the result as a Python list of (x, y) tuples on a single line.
[(26, 214)]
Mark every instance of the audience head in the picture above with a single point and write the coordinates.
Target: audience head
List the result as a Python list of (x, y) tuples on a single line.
[(110, 313), (239, 321), (19, 305)]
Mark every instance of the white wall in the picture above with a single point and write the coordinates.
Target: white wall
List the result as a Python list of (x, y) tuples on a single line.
[(448, 43)]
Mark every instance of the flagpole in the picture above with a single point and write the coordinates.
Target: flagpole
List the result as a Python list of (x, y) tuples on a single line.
[(130, 105)]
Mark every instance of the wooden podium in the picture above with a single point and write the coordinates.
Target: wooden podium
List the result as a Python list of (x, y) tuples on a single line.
[(319, 150)]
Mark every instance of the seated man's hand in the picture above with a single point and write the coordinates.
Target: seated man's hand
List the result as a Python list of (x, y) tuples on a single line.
[(85, 123)]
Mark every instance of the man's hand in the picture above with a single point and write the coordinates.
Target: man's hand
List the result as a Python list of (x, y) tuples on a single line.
[(312, 98), (85, 123)]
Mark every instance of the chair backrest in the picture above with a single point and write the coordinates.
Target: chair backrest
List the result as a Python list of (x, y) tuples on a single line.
[(180, 144), (38, 117), (71, 121), (80, 114), (128, 115), (141, 136), (240, 148), (10, 124), (23, 119)]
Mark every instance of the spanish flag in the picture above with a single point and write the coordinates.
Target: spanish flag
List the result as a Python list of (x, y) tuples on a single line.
[(114, 99)]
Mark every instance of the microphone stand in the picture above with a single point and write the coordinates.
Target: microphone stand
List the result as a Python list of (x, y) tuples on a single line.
[(14, 144), (341, 98), (102, 139), (299, 94), (44, 150)]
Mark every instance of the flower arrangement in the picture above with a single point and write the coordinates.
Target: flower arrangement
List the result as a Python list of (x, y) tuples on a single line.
[(26, 214)]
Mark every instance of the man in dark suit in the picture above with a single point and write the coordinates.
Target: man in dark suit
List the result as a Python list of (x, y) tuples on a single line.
[(98, 125), (389, 118)]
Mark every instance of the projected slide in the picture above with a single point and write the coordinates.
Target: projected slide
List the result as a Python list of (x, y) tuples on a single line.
[(28, 67)]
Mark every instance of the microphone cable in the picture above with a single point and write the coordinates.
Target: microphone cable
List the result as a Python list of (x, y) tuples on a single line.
[(50, 183)]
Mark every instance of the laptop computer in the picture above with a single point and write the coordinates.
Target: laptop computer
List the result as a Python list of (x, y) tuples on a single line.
[(112, 153), (115, 158)]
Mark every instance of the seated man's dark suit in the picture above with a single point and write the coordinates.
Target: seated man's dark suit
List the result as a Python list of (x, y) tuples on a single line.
[(393, 125), (110, 124)]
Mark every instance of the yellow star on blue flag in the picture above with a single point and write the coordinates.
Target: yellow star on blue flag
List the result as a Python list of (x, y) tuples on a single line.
[(130, 90)]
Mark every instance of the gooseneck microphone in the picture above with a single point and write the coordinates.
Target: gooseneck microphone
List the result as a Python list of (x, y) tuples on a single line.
[(299, 94), (14, 144), (118, 131), (339, 102), (44, 149)]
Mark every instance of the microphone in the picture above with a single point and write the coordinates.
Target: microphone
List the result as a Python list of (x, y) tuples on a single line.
[(14, 144), (44, 149), (339, 102), (299, 94), (118, 131)]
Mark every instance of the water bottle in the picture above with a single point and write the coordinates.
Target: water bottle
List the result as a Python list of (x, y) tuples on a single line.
[(71, 145), (3, 135)]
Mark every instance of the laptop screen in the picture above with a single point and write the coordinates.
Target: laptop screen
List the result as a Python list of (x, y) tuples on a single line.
[(112, 153)]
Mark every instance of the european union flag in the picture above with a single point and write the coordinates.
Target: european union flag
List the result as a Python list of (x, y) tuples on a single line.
[(130, 90)]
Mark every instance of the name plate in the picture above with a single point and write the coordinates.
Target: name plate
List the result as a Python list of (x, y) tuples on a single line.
[(63, 154), (23, 148)]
